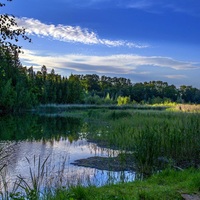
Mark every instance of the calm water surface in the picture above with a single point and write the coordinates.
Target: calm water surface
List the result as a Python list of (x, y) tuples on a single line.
[(59, 138)]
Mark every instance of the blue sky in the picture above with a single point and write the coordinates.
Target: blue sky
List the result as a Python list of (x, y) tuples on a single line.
[(142, 40)]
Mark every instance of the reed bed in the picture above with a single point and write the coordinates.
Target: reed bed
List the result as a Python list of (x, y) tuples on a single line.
[(156, 139)]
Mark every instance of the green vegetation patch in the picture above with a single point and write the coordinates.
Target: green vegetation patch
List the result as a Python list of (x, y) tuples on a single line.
[(157, 139), (167, 185)]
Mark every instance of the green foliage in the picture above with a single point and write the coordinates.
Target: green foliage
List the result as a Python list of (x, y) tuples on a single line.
[(123, 100), (8, 96), (15, 93), (75, 94), (10, 32), (107, 99), (93, 100)]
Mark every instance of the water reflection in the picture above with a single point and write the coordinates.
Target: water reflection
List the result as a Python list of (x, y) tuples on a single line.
[(60, 138), (35, 127)]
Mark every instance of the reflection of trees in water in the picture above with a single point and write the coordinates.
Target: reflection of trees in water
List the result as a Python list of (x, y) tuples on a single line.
[(102, 151), (33, 127), (46, 129), (6, 153)]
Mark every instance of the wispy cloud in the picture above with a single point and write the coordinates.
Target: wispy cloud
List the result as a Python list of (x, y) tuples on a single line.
[(90, 3), (142, 4), (160, 6), (175, 76), (119, 64), (70, 34), (169, 63)]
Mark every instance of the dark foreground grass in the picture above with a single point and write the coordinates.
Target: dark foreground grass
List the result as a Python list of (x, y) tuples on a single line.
[(168, 184)]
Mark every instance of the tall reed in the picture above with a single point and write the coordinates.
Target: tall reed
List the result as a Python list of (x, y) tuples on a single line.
[(31, 188), (156, 139)]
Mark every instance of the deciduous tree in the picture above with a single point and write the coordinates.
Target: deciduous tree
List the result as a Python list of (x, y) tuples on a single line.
[(10, 32)]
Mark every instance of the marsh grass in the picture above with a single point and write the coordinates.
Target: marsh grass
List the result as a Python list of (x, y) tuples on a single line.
[(31, 188), (119, 115), (5, 152), (157, 139), (41, 180), (2, 158), (44, 179)]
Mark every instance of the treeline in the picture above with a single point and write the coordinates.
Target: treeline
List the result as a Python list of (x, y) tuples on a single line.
[(105, 89), (22, 88)]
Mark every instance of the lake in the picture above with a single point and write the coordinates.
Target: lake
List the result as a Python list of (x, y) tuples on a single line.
[(30, 139)]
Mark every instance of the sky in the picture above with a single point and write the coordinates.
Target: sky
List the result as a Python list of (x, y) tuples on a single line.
[(143, 40)]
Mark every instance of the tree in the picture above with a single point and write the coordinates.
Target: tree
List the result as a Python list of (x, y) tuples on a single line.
[(14, 87), (10, 32), (7, 98), (90, 82), (75, 93), (44, 71), (123, 100), (189, 94)]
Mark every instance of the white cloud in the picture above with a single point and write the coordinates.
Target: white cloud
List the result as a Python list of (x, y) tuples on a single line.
[(175, 76), (69, 33), (169, 63), (118, 64)]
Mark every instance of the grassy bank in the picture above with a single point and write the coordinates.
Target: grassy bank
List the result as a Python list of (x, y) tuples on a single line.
[(166, 186)]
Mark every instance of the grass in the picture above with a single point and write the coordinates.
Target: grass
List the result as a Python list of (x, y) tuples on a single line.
[(156, 138), (38, 173), (67, 108), (22, 188), (168, 185), (2, 158), (186, 108), (38, 184)]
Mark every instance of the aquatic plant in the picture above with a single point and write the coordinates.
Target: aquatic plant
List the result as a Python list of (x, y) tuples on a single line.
[(157, 139)]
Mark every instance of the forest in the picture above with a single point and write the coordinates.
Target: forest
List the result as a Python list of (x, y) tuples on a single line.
[(22, 88)]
